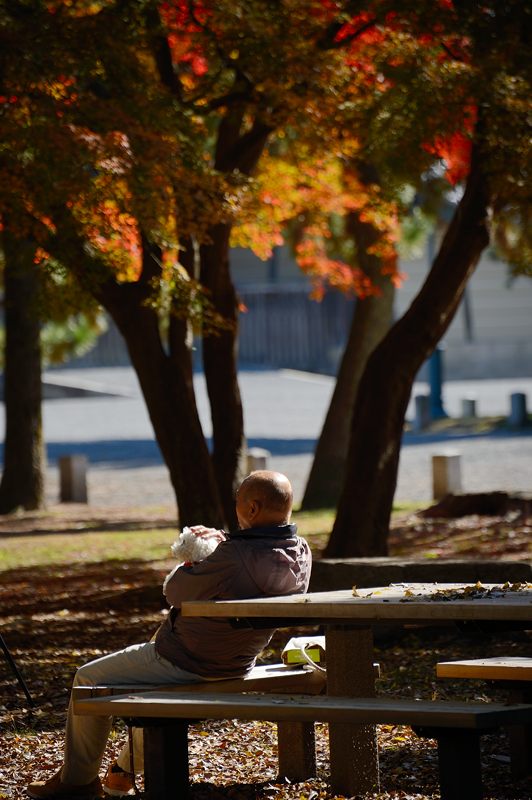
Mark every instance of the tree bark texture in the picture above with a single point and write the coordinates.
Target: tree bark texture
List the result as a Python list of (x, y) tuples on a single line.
[(22, 484), (371, 321), (363, 516)]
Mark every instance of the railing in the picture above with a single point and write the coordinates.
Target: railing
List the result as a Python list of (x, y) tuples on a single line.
[(280, 328)]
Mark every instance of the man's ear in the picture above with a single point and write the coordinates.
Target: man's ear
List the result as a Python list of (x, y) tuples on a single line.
[(254, 509)]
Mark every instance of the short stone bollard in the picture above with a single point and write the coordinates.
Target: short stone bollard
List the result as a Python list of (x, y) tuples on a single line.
[(422, 418), (257, 458), (446, 475), (518, 414), (469, 407), (73, 479)]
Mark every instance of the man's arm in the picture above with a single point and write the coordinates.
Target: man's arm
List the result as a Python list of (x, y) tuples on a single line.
[(199, 581)]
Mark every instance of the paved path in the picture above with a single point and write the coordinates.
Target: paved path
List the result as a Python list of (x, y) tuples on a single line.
[(284, 412)]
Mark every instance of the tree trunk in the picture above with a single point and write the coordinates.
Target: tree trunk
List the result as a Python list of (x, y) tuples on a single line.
[(362, 521), (238, 149), (165, 375), (22, 484), (166, 383), (220, 365), (371, 320), (235, 151)]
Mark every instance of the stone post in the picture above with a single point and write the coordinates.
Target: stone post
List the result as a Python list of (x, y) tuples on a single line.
[(73, 479), (422, 416), (469, 407), (257, 458), (518, 413), (446, 475)]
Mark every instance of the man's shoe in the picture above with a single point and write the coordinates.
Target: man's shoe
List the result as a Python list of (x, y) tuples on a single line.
[(54, 787), (118, 783)]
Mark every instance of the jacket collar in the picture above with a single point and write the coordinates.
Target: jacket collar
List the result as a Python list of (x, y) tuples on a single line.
[(269, 532)]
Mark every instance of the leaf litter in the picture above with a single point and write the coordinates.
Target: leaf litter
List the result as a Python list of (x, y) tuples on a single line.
[(59, 617)]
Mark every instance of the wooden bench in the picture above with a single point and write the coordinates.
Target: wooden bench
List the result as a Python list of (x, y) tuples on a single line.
[(296, 746), (515, 675), (165, 717)]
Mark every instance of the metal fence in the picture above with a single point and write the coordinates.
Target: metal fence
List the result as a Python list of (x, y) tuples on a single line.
[(279, 328), (285, 328)]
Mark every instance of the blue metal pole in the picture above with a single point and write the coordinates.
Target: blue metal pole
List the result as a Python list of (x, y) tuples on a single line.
[(437, 410), (435, 362)]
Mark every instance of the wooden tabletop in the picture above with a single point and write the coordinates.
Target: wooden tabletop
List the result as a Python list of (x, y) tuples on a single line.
[(417, 602)]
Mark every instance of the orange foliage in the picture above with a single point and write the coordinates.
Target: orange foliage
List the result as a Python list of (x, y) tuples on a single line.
[(306, 194), (455, 149), (182, 29), (362, 29), (115, 233), (324, 271)]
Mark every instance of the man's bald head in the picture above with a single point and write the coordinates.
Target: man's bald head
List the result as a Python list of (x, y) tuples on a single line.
[(264, 498)]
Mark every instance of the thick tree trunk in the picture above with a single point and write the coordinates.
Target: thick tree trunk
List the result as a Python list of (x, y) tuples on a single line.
[(169, 397), (371, 321), (362, 521), (22, 484), (235, 151), (220, 365), (165, 375), (167, 387)]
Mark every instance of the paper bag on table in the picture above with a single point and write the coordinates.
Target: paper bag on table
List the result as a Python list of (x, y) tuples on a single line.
[(304, 649)]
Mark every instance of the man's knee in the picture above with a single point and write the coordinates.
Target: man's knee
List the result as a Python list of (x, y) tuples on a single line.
[(88, 675)]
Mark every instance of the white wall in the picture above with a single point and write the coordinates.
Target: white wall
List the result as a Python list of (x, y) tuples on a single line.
[(496, 344), (500, 340)]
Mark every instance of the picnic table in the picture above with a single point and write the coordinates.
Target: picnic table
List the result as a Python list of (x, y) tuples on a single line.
[(348, 616)]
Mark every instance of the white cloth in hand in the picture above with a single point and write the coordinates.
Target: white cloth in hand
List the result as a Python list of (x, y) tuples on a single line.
[(191, 547)]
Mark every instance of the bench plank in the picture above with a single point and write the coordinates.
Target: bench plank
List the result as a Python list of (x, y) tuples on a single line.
[(263, 678), (514, 673), (302, 708), (513, 668), (165, 717), (296, 740)]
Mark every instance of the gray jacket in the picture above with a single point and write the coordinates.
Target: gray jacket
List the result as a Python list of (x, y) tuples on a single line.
[(257, 562)]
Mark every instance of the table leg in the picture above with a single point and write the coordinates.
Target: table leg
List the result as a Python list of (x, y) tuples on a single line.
[(296, 745), (520, 736), (459, 765), (166, 760), (350, 672)]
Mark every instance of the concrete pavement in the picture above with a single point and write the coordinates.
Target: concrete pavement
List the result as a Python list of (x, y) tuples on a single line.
[(284, 412)]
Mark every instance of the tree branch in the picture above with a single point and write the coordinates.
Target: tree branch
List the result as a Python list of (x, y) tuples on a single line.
[(151, 261), (328, 40), (242, 152), (162, 53)]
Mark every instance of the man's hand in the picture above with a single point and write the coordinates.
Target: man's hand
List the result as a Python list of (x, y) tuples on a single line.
[(208, 533), (196, 543)]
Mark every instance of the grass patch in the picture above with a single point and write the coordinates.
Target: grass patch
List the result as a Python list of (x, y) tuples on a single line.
[(77, 545), (315, 526), (43, 549)]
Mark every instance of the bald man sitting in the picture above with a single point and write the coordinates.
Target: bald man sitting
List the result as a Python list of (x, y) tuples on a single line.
[(265, 557)]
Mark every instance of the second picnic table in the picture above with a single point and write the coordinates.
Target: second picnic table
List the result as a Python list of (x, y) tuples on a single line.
[(348, 616)]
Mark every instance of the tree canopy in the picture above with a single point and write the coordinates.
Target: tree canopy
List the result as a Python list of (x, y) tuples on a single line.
[(139, 139)]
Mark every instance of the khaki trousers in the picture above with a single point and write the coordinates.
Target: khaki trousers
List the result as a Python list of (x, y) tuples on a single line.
[(86, 737)]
